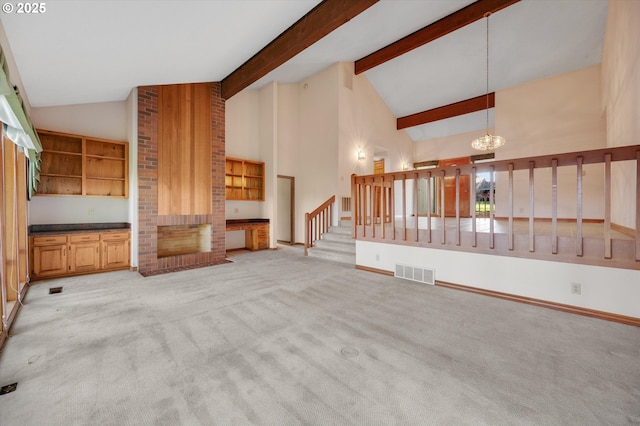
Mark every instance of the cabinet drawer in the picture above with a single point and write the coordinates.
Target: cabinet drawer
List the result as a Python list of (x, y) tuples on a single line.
[(49, 240), (83, 238), (115, 236)]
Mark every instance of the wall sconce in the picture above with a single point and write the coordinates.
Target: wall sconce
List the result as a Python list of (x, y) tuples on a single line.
[(361, 155), (405, 166)]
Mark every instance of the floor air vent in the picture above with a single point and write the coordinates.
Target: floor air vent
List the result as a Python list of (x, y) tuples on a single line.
[(8, 388), (55, 290), (414, 273)]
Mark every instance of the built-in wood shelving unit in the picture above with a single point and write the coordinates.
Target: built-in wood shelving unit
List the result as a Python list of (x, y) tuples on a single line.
[(244, 180), (81, 165)]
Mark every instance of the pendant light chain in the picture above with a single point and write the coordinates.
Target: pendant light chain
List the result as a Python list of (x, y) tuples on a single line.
[(488, 141)]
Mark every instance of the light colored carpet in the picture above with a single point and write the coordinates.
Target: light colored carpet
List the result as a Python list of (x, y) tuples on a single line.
[(279, 339)]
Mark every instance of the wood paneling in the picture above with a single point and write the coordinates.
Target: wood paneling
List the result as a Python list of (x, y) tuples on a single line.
[(320, 21), (440, 28), (184, 149)]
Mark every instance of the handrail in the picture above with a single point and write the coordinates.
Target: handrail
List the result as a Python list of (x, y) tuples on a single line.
[(436, 229), (317, 222)]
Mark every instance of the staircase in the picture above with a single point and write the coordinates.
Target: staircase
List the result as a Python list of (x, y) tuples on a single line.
[(336, 244)]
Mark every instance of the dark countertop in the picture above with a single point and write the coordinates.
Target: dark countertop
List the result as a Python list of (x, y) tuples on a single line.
[(245, 221), (70, 228)]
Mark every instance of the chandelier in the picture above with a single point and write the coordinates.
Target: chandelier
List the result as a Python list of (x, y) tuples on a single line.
[(488, 141)]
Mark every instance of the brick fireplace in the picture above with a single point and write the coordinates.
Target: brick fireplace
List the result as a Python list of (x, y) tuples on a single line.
[(168, 205)]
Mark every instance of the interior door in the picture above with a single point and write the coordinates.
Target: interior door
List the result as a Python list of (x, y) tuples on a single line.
[(450, 189), (285, 231), (378, 169)]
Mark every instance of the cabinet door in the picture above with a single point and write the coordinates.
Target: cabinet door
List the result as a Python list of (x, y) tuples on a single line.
[(84, 257), (50, 260), (115, 254)]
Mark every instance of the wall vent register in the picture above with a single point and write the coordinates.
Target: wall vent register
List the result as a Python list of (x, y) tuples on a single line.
[(416, 273)]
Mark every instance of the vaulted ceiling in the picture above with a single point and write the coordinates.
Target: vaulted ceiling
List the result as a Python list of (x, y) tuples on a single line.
[(82, 51)]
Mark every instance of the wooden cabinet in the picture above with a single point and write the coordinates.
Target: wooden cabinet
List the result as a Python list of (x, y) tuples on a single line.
[(115, 250), (244, 180), (79, 253), (49, 255), (80, 165), (256, 232), (84, 253)]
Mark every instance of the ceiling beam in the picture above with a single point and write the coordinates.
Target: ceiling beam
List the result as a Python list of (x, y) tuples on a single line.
[(440, 28), (320, 21), (478, 103)]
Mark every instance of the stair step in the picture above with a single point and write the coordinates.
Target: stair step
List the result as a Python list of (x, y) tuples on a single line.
[(328, 254), (332, 236), (336, 245), (340, 229)]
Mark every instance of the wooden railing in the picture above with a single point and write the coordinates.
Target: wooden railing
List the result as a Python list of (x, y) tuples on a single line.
[(430, 227), (318, 222)]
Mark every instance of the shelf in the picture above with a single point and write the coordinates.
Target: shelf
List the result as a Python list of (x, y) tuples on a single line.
[(78, 154), (105, 157), (104, 178), (244, 180), (60, 142), (79, 165)]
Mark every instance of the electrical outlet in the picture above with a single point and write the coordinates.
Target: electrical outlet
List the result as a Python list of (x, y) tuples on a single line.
[(236, 210), (91, 211), (576, 288), (377, 258)]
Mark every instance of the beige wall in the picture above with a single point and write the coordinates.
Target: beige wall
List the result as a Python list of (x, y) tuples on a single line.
[(288, 129), (102, 120), (242, 138), (317, 162), (367, 124), (132, 137), (268, 149), (621, 100), (107, 120), (453, 146), (557, 114), (311, 131)]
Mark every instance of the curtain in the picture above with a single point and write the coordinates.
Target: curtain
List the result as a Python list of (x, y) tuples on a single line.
[(16, 124)]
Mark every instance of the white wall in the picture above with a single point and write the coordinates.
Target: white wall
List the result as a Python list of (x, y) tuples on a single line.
[(605, 289), (621, 100), (107, 120)]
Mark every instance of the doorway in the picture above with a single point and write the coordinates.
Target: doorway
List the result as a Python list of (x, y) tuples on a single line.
[(285, 215), (450, 189)]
